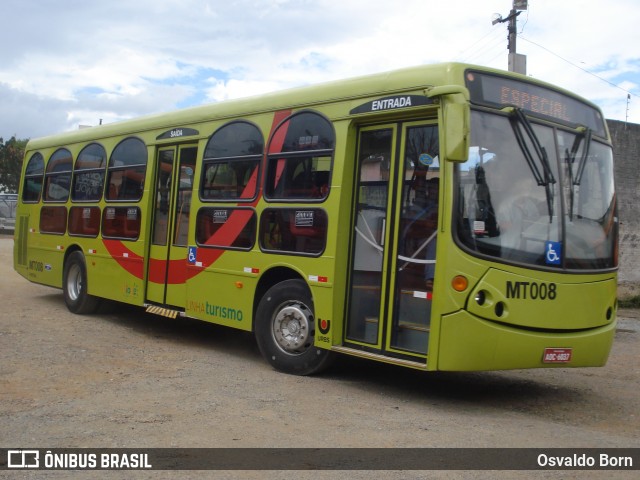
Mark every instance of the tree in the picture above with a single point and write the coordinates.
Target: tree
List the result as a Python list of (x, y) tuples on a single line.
[(11, 154)]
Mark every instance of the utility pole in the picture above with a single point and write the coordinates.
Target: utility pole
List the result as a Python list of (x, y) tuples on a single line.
[(517, 62), (626, 119)]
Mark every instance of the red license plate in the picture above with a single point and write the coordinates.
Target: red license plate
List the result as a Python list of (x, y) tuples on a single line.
[(557, 355)]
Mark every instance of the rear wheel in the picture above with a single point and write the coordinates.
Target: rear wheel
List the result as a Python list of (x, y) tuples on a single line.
[(285, 330), (74, 285)]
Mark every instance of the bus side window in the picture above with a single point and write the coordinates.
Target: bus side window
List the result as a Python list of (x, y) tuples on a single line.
[(84, 221), (300, 158), (88, 174), (121, 222), (57, 178), (53, 220), (294, 230), (33, 176), (231, 162), (232, 228), (127, 170)]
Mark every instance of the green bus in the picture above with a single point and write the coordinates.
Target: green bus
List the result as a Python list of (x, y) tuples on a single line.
[(443, 217)]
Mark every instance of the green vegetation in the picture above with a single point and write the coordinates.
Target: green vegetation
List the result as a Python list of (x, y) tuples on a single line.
[(11, 154)]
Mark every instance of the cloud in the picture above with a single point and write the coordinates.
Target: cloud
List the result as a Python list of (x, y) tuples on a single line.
[(74, 62), (26, 112)]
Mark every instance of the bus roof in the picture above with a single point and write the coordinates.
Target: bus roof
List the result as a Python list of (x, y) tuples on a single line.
[(407, 79)]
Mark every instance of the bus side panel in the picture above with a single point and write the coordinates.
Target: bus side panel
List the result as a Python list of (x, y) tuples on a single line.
[(221, 296), (43, 255), (107, 278), (470, 343), (328, 327)]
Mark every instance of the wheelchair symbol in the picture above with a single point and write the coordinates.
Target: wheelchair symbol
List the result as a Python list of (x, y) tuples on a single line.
[(553, 255), (192, 255)]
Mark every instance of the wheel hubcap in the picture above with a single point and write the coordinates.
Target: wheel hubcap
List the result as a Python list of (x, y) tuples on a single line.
[(74, 282), (292, 328)]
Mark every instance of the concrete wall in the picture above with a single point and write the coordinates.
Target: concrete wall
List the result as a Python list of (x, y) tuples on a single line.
[(626, 149)]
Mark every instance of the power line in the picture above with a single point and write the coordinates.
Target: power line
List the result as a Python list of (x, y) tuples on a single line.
[(484, 47), (495, 57), (578, 66), (464, 54), (488, 49)]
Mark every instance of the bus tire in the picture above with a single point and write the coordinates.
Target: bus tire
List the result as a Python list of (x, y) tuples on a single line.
[(285, 330), (74, 285)]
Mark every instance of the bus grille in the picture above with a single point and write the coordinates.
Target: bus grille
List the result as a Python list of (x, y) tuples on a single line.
[(23, 236)]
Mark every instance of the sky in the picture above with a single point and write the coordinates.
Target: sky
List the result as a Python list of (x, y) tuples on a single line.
[(67, 63)]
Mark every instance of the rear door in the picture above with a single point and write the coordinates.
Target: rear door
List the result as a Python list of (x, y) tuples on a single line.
[(175, 166)]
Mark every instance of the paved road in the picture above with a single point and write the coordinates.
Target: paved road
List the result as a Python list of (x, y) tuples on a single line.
[(123, 378)]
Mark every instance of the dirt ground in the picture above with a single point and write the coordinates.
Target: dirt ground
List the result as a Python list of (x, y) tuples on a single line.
[(124, 378)]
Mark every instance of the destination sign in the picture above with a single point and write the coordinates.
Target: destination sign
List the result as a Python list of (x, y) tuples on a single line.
[(496, 91), (177, 133)]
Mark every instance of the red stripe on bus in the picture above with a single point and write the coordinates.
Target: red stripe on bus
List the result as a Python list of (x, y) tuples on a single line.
[(238, 220), (177, 272), (252, 185), (131, 262), (134, 263), (176, 275), (157, 270), (231, 229), (225, 236), (277, 141)]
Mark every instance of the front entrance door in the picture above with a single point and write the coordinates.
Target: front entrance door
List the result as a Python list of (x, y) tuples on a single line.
[(394, 238), (175, 166)]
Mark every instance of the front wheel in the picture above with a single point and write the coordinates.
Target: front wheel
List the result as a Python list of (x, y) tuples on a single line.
[(285, 330), (74, 285)]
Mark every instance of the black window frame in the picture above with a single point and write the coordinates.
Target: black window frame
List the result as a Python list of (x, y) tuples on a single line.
[(54, 175), (290, 233), (295, 150), (138, 168), (82, 225), (80, 171), (33, 173), (229, 157), (53, 210), (224, 212), (117, 209)]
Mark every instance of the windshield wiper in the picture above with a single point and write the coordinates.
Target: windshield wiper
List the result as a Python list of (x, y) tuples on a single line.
[(570, 158), (585, 155), (519, 122)]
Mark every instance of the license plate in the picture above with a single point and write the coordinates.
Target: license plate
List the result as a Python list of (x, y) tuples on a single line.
[(557, 355)]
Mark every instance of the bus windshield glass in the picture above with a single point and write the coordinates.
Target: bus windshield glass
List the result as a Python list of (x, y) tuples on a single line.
[(534, 195)]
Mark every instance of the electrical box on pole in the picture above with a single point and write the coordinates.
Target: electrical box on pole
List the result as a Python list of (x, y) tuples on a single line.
[(520, 4)]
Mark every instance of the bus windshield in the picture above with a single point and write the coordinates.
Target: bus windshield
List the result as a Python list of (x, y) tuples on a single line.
[(534, 195)]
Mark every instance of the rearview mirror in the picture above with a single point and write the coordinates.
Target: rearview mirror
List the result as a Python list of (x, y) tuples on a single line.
[(457, 126)]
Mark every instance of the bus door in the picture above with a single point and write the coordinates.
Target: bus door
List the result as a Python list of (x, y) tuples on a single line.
[(166, 276), (394, 238)]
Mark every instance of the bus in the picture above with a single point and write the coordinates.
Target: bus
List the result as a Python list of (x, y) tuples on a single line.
[(440, 217)]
